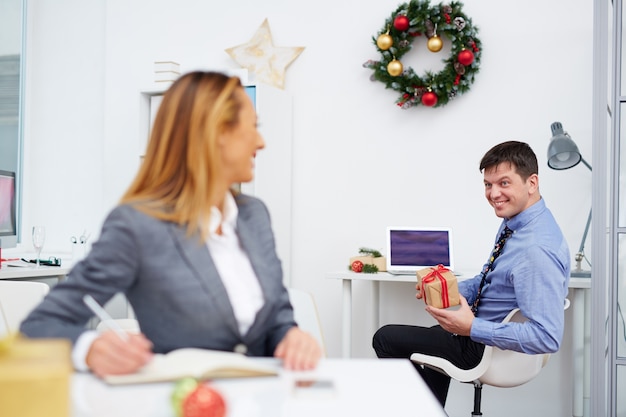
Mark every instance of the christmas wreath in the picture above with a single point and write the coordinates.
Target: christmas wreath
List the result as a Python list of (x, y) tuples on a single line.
[(410, 21)]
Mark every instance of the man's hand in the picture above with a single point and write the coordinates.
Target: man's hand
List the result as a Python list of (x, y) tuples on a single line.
[(454, 321), (110, 355), (298, 350), (418, 294)]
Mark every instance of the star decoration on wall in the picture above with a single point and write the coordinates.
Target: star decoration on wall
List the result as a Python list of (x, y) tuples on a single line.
[(262, 58)]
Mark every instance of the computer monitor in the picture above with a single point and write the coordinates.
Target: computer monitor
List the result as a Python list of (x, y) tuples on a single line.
[(8, 223)]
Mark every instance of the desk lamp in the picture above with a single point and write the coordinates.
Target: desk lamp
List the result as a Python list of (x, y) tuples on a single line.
[(563, 154)]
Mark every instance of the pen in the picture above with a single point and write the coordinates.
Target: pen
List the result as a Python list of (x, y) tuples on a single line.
[(104, 317)]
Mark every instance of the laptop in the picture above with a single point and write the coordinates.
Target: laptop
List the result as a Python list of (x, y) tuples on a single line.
[(412, 248)]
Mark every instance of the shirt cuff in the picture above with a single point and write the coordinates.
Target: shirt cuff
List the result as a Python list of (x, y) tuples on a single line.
[(81, 349)]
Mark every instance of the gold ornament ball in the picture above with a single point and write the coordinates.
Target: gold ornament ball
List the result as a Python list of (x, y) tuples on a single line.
[(394, 68), (435, 44), (384, 41)]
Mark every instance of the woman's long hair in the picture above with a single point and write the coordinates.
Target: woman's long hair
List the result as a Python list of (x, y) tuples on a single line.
[(176, 181)]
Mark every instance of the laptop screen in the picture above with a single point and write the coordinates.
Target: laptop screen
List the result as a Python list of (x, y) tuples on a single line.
[(411, 248)]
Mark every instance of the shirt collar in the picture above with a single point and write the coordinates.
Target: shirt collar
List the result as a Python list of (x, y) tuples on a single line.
[(227, 219), (522, 219)]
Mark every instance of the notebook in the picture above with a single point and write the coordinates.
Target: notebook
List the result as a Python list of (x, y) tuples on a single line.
[(413, 248)]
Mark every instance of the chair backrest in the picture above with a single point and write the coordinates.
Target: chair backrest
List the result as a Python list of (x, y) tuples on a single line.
[(500, 368), (128, 325), (17, 299), (304, 310), (509, 368), (305, 314)]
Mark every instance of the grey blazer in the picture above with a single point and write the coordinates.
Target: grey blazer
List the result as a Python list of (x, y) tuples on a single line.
[(172, 284)]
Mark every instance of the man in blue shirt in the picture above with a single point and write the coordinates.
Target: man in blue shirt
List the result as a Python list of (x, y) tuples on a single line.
[(530, 273)]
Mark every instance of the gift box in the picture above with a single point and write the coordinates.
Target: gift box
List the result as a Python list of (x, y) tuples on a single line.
[(381, 263), (35, 377), (364, 259), (438, 286)]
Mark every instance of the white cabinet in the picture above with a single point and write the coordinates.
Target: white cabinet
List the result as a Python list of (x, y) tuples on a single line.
[(273, 166)]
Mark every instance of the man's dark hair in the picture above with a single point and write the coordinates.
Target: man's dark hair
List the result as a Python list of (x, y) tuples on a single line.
[(517, 153)]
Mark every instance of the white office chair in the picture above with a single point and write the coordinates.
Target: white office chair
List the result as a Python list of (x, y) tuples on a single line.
[(305, 314), (498, 368), (17, 300), (304, 309), (128, 325)]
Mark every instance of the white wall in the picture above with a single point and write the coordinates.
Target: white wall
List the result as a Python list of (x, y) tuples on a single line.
[(360, 163), (10, 27), (63, 122)]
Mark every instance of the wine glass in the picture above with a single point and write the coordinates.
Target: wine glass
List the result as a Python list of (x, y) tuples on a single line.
[(39, 237)]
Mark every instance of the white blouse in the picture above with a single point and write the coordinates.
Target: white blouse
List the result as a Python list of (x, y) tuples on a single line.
[(233, 265)]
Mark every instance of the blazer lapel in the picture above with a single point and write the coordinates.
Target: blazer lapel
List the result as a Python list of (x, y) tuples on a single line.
[(249, 238), (197, 257)]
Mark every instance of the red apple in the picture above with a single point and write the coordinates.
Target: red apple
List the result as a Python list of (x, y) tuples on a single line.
[(204, 401)]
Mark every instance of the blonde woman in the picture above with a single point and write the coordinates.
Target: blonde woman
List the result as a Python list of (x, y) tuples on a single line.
[(196, 260)]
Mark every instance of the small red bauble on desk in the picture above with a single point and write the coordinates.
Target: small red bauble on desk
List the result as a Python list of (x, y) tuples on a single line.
[(357, 266)]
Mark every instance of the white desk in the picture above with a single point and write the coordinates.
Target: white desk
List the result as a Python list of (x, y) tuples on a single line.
[(363, 387), (30, 272), (118, 306), (576, 284)]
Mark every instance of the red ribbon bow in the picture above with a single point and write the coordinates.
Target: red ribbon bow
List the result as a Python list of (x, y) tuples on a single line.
[(431, 277)]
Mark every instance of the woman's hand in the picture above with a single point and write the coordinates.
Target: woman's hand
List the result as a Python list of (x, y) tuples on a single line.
[(110, 355), (298, 350)]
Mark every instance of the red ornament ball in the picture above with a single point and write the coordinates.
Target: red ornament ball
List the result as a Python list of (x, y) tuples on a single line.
[(401, 22), (204, 401), (466, 57), (357, 266), (429, 99)]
